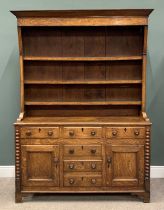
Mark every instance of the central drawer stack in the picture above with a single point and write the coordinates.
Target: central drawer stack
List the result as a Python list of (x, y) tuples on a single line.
[(82, 162)]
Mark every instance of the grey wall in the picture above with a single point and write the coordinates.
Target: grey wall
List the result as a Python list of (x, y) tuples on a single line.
[(9, 66)]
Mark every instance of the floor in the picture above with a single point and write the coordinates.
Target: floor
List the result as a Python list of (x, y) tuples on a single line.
[(81, 202)]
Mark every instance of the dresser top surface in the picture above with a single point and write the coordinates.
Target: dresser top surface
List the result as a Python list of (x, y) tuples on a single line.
[(84, 120), (82, 13)]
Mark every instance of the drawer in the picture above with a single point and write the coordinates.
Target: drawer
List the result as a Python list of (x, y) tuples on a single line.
[(82, 181), (82, 132), (81, 150), (82, 165), (125, 132), (39, 132)]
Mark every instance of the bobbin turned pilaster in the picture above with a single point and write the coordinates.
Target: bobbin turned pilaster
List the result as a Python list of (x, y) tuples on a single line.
[(18, 195)]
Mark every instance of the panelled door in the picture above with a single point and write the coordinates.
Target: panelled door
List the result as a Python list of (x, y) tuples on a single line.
[(125, 165), (40, 165)]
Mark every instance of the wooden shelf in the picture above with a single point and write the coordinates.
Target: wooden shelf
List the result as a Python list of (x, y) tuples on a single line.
[(85, 103), (112, 58), (71, 82)]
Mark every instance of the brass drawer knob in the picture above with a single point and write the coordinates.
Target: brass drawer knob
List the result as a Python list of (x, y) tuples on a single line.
[(114, 133), (50, 133), (71, 151), (71, 133), (93, 165), (93, 181), (56, 160), (93, 133), (71, 181), (136, 132), (93, 151), (71, 166), (109, 160), (28, 133)]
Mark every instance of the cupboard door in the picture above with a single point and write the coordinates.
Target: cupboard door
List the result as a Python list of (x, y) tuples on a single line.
[(40, 165), (125, 165)]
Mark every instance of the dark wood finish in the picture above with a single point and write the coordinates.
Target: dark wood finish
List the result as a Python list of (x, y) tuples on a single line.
[(83, 126), (82, 13), (83, 110)]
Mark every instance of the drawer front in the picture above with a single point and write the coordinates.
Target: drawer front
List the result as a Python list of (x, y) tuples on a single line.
[(125, 132), (82, 181), (82, 165), (82, 132), (39, 132), (82, 150)]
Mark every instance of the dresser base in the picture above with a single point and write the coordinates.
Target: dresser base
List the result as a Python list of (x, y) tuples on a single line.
[(101, 156), (144, 196)]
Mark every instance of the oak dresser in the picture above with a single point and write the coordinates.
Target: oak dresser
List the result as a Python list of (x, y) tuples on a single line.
[(83, 126)]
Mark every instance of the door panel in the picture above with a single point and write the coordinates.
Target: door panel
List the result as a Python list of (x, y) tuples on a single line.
[(125, 165), (40, 165)]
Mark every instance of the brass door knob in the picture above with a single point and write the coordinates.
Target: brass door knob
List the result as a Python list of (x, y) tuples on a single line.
[(71, 133), (93, 133), (28, 133), (71, 151), (114, 133), (71, 181), (71, 166), (93, 181), (93, 165), (50, 133), (93, 151), (136, 132)]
